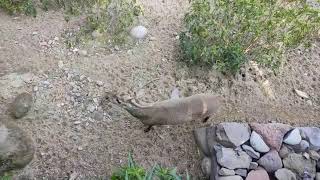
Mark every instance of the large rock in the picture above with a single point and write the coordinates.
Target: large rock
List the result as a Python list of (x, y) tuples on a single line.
[(21, 105), (251, 152), (313, 136), (232, 134), (200, 136), (16, 148), (232, 159), (258, 143), (211, 138), (293, 137), (230, 178), (318, 176), (241, 172), (285, 151), (139, 32), (226, 172), (285, 174), (253, 165), (272, 133), (271, 161), (259, 174), (303, 146), (206, 166), (298, 164), (314, 155)]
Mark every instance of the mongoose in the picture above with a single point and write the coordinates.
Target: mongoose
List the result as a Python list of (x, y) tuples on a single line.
[(174, 111), (16, 147)]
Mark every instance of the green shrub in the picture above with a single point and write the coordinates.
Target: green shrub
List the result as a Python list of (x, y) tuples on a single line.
[(225, 34), (132, 171), (19, 6)]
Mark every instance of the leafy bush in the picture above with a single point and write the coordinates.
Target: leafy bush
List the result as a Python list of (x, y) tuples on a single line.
[(225, 34), (19, 6), (132, 171)]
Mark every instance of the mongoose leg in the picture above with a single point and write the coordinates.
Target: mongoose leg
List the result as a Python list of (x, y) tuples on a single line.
[(148, 128)]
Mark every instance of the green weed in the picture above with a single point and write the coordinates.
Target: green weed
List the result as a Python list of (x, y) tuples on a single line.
[(19, 6)]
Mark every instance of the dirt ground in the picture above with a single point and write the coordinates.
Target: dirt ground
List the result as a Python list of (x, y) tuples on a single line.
[(75, 134)]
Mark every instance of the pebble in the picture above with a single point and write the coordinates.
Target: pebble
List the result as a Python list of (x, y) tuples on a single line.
[(83, 52), (306, 155), (91, 108), (139, 32), (206, 166), (226, 172), (257, 143), (77, 122), (285, 174), (253, 165), (251, 152), (21, 105), (232, 134), (232, 159), (271, 161), (314, 155), (56, 38), (302, 94), (60, 64), (34, 33), (297, 163), (293, 137), (259, 174), (35, 89), (272, 133), (80, 148), (99, 83), (241, 172), (98, 115)]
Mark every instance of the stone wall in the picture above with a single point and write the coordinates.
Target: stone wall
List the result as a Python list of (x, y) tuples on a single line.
[(237, 151)]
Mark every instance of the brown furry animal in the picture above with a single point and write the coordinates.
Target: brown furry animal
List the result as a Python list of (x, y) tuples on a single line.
[(174, 111)]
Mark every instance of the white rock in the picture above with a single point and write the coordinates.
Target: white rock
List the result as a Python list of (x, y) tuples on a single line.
[(34, 33), (226, 172), (60, 64), (230, 178), (139, 32), (293, 137), (99, 83), (257, 143), (302, 94)]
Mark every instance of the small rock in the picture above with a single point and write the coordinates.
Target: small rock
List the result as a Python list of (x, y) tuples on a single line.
[(139, 32), (60, 64), (206, 166), (285, 174), (35, 89), (96, 34), (302, 94), (271, 133), (314, 155), (80, 148), (303, 135), (271, 161), (83, 52), (241, 172), (211, 138), (97, 115), (226, 172), (285, 151), (50, 42), (16, 147), (313, 136), (99, 83), (253, 165), (257, 143), (56, 39), (301, 147), (231, 159), (34, 33), (91, 108), (77, 122), (232, 134), (251, 152), (298, 164), (259, 174), (230, 178), (175, 94), (306, 155), (21, 105), (293, 137), (200, 136)]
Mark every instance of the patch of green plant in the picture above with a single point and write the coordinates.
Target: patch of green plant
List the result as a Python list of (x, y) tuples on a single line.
[(19, 6), (6, 177), (225, 34), (132, 171)]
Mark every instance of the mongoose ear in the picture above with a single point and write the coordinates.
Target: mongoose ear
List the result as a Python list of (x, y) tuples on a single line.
[(175, 94)]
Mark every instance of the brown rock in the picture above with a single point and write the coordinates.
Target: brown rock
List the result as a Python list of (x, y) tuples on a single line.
[(272, 133), (259, 174)]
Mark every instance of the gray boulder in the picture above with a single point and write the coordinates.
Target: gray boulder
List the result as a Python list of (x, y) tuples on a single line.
[(285, 174), (251, 152), (258, 143), (313, 136), (230, 178), (241, 172), (16, 147), (285, 151), (232, 134), (303, 146), (314, 155), (232, 159), (298, 164), (271, 161), (200, 136)]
